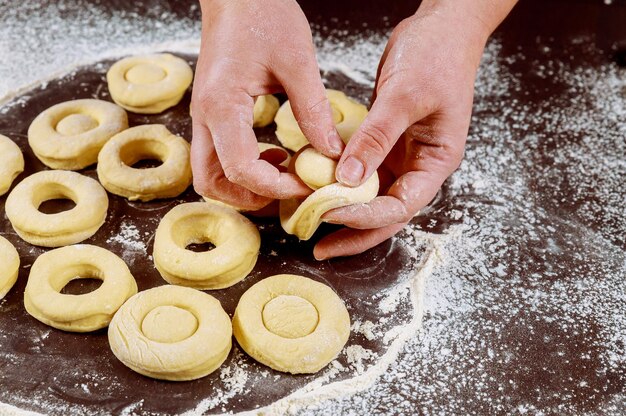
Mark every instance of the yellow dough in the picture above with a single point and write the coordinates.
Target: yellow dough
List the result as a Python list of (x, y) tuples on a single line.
[(70, 135), (11, 163), (291, 323), (63, 228), (9, 266), (171, 333), (149, 84), (236, 239), (265, 108), (318, 172), (77, 313), (347, 114), (151, 141)]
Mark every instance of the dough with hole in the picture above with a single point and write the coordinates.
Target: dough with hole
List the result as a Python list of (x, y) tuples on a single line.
[(11, 163), (10, 261)]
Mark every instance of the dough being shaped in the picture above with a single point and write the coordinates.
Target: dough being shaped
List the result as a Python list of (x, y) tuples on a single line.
[(10, 262), (150, 141), (291, 323), (149, 84), (237, 242), (69, 135), (63, 228), (347, 114), (302, 218), (77, 313), (11, 163), (171, 333), (265, 108)]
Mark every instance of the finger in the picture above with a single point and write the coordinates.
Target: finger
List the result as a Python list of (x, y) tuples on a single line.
[(347, 242), (311, 107)]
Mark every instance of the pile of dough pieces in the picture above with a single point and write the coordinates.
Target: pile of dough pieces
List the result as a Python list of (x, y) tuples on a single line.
[(173, 332)]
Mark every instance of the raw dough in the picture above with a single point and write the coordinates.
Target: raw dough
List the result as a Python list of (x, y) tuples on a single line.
[(63, 228), (10, 266), (347, 114), (265, 108), (301, 218), (11, 163), (291, 323), (77, 313), (171, 333), (149, 84), (236, 239), (150, 141), (70, 135)]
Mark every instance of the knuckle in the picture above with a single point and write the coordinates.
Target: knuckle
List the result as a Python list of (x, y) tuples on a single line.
[(377, 140)]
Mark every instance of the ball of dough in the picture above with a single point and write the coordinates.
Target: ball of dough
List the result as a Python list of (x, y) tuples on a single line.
[(171, 333), (11, 163), (63, 228), (291, 323), (236, 239), (265, 108), (347, 114), (10, 262), (69, 135), (149, 84), (150, 141), (77, 313)]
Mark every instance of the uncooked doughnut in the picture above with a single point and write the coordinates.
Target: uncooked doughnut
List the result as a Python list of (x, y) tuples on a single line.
[(265, 108), (291, 323), (347, 115), (77, 313), (69, 135), (171, 333), (149, 84), (11, 163), (236, 239), (10, 266), (150, 141), (63, 228)]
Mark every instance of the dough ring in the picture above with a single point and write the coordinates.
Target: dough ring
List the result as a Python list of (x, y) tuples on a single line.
[(70, 135), (291, 323), (236, 239), (265, 108), (77, 313), (151, 141), (171, 333), (63, 228), (149, 84), (11, 163), (10, 261), (318, 172), (347, 114)]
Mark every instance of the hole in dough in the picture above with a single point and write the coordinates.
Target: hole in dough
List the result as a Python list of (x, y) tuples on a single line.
[(169, 324), (143, 154), (145, 73), (290, 316), (81, 285), (75, 124), (147, 164), (200, 247), (57, 205), (275, 157)]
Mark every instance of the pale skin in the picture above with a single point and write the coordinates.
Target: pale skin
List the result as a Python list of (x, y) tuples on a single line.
[(414, 135)]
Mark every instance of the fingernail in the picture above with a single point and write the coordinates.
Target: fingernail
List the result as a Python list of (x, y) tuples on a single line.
[(351, 172), (336, 144)]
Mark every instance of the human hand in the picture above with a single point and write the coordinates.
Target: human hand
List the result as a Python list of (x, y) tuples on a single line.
[(252, 48)]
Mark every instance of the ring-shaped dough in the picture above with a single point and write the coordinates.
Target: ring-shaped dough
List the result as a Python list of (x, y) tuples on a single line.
[(69, 135), (63, 228), (77, 313), (176, 354), (149, 84), (10, 262), (11, 163), (302, 218), (236, 239), (275, 337), (347, 114), (150, 141)]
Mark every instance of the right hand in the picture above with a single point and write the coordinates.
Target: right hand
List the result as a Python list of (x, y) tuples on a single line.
[(251, 48)]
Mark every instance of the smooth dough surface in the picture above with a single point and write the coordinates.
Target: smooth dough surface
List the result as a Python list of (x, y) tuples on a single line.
[(63, 228), (265, 108), (77, 313), (236, 239), (347, 114), (10, 266), (291, 323), (149, 84), (171, 333), (11, 163), (70, 135), (150, 141)]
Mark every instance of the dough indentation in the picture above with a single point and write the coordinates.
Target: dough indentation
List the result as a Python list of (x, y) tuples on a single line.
[(74, 124), (145, 73), (169, 324), (290, 316)]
